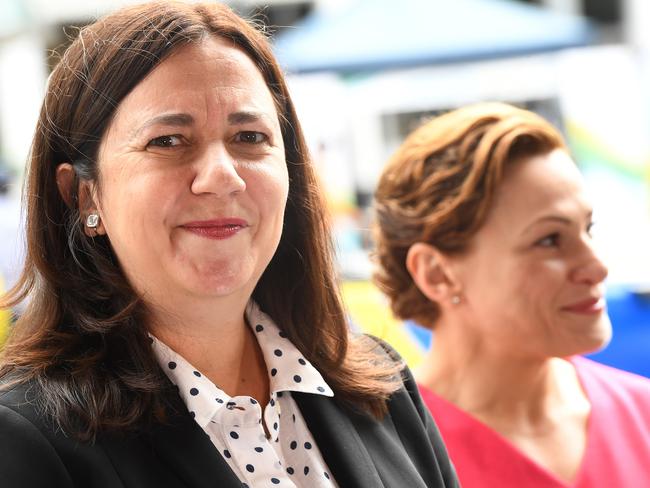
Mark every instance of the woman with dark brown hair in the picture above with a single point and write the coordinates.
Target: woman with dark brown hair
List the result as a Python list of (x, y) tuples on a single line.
[(483, 235), (184, 326)]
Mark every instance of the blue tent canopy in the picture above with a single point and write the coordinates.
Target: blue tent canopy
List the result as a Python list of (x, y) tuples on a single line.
[(380, 34)]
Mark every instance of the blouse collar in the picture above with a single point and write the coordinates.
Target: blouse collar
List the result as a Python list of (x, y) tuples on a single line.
[(287, 368)]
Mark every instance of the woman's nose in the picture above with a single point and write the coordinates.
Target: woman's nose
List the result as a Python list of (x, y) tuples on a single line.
[(216, 173), (591, 270)]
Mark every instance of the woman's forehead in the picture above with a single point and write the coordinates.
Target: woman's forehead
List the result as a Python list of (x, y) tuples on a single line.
[(547, 184), (212, 61), (205, 53), (198, 78)]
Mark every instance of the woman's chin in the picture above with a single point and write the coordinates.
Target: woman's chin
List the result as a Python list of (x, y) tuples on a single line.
[(593, 340), (219, 281)]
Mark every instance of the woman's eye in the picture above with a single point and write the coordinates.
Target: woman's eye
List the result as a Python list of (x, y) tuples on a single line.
[(551, 240), (165, 141), (251, 137), (590, 228)]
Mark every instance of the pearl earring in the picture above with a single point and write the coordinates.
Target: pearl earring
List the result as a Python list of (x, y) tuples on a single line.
[(455, 299)]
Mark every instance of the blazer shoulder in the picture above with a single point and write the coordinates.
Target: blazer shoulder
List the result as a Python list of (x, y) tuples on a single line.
[(20, 397), (30, 437), (23, 444), (416, 428), (385, 348), (409, 384)]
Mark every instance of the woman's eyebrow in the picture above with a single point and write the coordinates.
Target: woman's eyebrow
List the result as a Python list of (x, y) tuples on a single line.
[(547, 218), (240, 118), (174, 120), (553, 218), (186, 120)]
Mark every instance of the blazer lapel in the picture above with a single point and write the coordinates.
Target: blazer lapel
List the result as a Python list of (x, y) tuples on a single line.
[(339, 442), (189, 452)]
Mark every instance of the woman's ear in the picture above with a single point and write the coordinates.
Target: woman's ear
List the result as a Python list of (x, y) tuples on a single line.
[(432, 273), (65, 180)]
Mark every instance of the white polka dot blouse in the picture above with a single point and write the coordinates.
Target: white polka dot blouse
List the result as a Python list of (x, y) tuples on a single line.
[(290, 457)]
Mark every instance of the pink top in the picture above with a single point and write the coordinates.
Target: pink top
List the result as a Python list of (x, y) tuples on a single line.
[(618, 438)]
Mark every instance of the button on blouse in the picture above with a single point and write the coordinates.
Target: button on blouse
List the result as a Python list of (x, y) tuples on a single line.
[(290, 456)]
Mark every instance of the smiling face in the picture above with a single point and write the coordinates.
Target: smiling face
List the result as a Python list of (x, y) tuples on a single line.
[(531, 282), (192, 177)]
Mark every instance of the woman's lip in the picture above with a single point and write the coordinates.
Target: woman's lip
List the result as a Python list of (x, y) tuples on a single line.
[(590, 306), (216, 228), (229, 221)]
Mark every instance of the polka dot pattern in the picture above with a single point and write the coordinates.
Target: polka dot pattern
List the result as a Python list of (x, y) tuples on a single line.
[(258, 439)]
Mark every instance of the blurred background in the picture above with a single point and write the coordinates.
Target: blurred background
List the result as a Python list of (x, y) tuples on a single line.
[(364, 73)]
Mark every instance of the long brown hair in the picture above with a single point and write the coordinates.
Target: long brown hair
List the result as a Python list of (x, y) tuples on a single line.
[(81, 339), (439, 186)]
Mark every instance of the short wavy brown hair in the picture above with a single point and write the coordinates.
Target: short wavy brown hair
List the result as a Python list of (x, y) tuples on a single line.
[(439, 186)]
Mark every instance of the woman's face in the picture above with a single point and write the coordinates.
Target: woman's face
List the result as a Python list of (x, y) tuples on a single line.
[(531, 281), (192, 177)]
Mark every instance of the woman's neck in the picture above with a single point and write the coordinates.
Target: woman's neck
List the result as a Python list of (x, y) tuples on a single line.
[(538, 404), (509, 392), (216, 339)]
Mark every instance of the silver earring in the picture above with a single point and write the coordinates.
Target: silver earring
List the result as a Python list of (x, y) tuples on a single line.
[(455, 299), (92, 221)]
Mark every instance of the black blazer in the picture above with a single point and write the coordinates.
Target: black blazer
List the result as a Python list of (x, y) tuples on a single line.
[(402, 450)]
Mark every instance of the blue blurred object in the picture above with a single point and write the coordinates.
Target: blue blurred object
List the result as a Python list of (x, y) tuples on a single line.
[(382, 34), (630, 346), (629, 350), (421, 334)]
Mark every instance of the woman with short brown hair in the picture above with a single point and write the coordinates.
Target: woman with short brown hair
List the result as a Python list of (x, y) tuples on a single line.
[(483, 235)]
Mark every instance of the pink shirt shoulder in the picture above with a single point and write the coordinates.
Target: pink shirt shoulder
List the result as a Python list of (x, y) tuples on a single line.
[(618, 444)]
